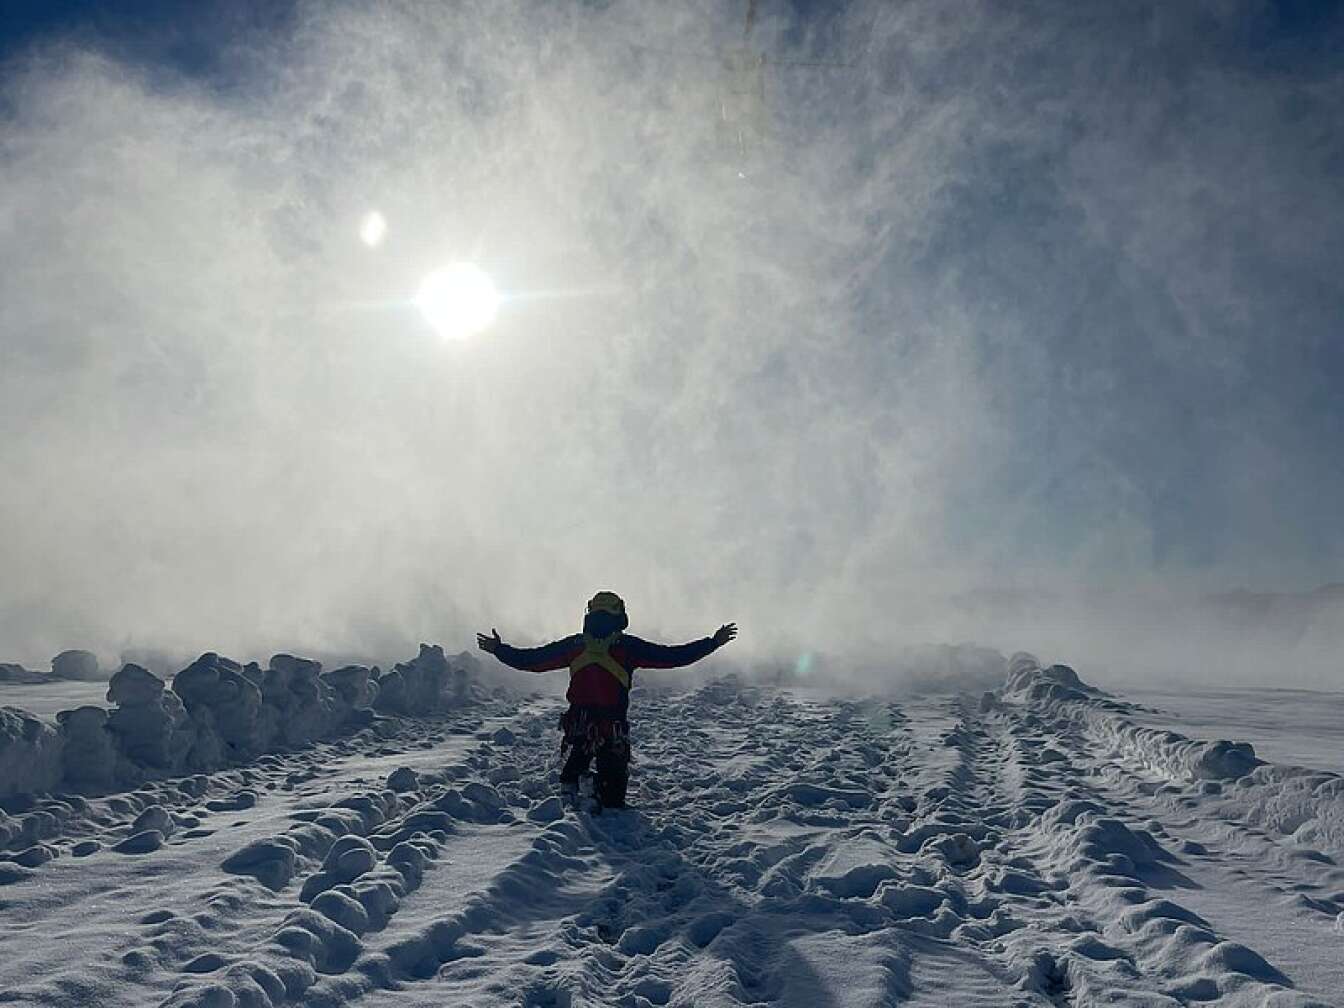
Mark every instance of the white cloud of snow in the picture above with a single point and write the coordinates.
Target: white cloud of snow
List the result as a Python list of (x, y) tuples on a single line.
[(980, 303)]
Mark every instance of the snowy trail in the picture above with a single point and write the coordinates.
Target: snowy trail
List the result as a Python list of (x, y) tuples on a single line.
[(1031, 847)]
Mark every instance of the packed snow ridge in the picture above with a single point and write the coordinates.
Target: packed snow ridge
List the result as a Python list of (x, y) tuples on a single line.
[(216, 713), (1028, 846)]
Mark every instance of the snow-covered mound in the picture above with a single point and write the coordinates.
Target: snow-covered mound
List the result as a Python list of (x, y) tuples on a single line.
[(1019, 847), (79, 665), (30, 754)]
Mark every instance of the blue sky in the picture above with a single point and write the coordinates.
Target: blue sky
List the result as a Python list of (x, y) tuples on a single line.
[(196, 38), (999, 295)]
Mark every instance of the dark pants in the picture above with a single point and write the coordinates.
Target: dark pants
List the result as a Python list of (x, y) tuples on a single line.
[(590, 736)]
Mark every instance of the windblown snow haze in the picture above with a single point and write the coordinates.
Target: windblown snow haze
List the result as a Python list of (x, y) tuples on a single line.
[(907, 334)]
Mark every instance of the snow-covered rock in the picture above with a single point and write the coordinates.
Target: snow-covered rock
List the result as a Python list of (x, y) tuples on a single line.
[(217, 712), (426, 683), (90, 754), (354, 684), (81, 665), (217, 684), (152, 730), (305, 707), (30, 753)]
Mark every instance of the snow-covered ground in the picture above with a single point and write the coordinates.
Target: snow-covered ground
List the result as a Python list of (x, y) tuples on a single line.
[(1294, 726), (1043, 845), (45, 699)]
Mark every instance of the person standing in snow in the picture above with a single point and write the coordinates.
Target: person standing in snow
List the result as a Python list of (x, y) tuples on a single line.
[(601, 661)]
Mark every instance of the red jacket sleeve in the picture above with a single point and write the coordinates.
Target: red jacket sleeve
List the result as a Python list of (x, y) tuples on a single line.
[(644, 654), (555, 655)]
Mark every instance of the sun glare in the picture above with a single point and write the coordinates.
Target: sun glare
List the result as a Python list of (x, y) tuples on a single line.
[(458, 300)]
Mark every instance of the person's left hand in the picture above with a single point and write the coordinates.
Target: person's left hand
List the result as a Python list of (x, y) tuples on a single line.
[(724, 634), (490, 644)]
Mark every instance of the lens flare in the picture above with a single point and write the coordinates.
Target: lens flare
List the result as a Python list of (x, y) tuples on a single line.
[(458, 300), (372, 229)]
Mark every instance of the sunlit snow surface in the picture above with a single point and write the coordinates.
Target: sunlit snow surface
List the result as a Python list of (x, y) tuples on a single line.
[(1034, 847), (1304, 727)]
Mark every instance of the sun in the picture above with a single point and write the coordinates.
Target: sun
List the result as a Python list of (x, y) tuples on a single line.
[(458, 300)]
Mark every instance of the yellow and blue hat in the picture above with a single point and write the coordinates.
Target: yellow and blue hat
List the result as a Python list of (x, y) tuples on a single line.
[(607, 601)]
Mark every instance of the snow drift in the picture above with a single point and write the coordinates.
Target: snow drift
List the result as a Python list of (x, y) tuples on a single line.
[(1304, 805)]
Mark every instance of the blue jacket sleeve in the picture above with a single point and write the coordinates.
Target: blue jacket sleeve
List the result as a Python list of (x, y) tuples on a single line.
[(554, 655), (644, 654)]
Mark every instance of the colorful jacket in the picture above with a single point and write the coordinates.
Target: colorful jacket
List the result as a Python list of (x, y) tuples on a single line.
[(594, 686)]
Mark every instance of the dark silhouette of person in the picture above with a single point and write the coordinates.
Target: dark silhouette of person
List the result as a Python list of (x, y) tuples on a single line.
[(601, 662)]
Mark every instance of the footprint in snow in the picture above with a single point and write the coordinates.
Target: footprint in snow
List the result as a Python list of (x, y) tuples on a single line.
[(11, 873), (145, 842), (234, 803), (207, 962)]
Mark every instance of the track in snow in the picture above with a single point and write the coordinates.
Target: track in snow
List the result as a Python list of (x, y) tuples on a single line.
[(785, 849)]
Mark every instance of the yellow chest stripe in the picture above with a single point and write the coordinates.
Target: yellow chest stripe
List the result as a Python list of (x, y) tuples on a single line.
[(597, 651)]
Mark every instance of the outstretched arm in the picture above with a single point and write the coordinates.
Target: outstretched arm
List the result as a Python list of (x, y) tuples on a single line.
[(646, 654), (554, 655)]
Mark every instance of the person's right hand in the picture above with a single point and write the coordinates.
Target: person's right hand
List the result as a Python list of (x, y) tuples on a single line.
[(490, 644), (724, 634)]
